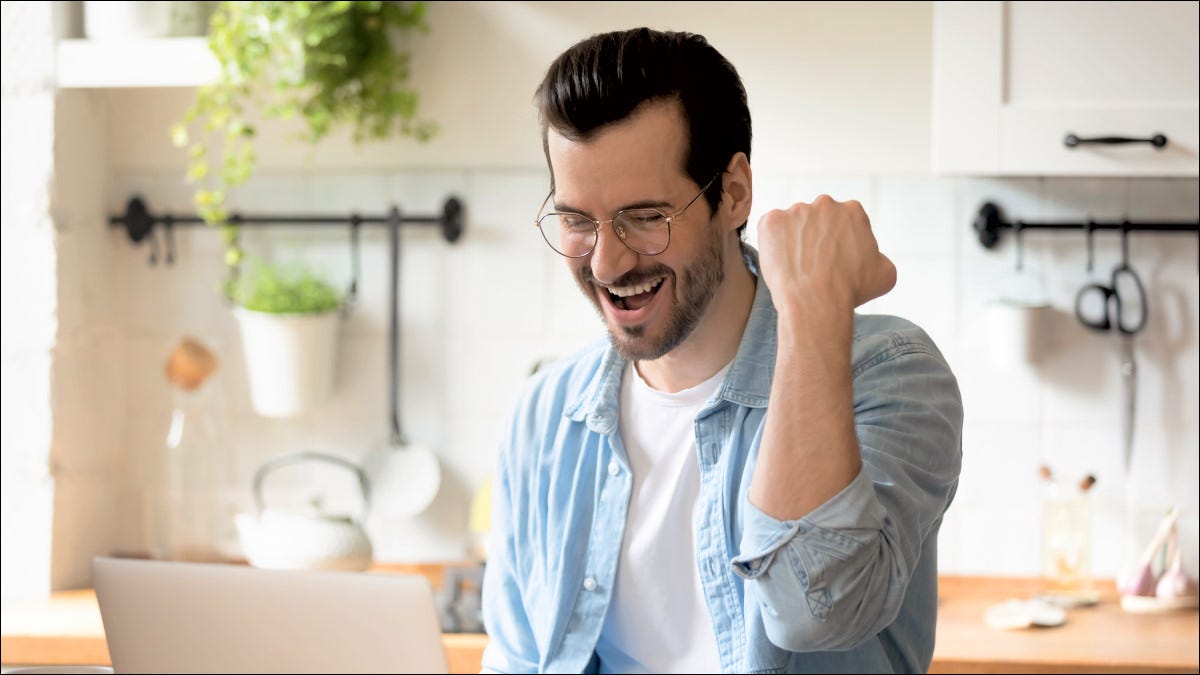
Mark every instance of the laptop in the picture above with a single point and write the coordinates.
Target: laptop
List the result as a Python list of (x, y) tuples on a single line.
[(174, 617)]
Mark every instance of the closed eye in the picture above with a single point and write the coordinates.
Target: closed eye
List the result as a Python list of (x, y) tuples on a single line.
[(574, 221), (642, 219)]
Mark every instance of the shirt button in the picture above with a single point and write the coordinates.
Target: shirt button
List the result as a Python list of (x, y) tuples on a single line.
[(613, 468), (589, 584)]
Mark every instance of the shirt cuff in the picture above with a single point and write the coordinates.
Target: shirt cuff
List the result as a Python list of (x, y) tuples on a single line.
[(764, 535)]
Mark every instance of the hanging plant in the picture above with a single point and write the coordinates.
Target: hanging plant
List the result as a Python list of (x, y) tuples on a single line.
[(330, 65)]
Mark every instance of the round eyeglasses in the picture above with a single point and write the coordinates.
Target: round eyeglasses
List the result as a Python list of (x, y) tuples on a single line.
[(646, 231)]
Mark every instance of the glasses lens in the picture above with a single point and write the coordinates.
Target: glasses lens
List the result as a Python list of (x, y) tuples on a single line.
[(568, 233), (643, 230)]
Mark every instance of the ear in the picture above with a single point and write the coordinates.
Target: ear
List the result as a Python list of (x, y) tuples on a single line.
[(737, 186)]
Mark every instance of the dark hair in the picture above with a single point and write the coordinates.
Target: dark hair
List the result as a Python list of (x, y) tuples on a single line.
[(604, 78)]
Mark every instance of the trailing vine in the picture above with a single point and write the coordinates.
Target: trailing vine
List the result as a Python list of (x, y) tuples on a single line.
[(328, 64)]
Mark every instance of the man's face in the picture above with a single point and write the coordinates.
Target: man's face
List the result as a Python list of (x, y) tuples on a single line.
[(649, 303)]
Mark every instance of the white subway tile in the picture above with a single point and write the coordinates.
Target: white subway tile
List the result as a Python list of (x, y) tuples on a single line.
[(1081, 198), (425, 192), (1164, 198), (999, 460), (914, 218), (88, 400), (1000, 539), (85, 524), (367, 194)]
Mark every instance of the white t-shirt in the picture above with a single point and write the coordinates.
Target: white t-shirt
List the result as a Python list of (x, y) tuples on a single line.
[(658, 621)]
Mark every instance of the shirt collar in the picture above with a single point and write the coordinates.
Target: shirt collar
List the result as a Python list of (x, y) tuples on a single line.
[(748, 381)]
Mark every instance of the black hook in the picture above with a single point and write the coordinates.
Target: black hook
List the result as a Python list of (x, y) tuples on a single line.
[(1090, 226), (352, 293), (1125, 243), (169, 225), (153, 241), (1018, 228)]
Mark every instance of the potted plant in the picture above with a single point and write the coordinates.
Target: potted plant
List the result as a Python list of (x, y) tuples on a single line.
[(323, 65), (290, 324)]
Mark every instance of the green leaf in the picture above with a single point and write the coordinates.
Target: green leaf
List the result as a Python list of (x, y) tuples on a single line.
[(332, 65), (293, 289), (179, 134)]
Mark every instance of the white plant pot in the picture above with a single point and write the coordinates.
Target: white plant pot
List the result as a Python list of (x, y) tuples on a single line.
[(291, 359)]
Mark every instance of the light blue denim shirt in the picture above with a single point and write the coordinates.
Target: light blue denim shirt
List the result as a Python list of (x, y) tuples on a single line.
[(851, 587)]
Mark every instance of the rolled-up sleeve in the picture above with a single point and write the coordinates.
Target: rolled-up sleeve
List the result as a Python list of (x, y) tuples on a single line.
[(837, 576)]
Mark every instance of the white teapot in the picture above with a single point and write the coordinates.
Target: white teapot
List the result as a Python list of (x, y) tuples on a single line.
[(304, 540)]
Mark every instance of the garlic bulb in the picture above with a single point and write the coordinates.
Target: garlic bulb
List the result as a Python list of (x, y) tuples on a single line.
[(1174, 582), (1141, 580), (1138, 581)]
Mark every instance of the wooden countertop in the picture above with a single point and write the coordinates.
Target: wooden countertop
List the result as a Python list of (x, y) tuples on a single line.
[(1098, 639), (66, 629)]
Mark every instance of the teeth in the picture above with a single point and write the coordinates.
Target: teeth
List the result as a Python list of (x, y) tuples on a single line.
[(626, 291)]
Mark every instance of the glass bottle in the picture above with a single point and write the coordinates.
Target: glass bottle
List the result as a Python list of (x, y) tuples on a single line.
[(1067, 540), (194, 521)]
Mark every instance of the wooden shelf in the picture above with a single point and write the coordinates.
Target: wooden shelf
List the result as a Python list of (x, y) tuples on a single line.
[(152, 62)]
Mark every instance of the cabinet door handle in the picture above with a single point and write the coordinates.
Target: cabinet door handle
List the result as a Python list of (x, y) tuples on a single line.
[(1159, 141)]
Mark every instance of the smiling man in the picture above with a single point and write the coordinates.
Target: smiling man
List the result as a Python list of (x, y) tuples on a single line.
[(744, 475)]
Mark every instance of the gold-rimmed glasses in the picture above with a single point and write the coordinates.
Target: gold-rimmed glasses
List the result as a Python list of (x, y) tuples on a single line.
[(646, 231)]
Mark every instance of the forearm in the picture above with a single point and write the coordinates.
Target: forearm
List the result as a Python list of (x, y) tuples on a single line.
[(809, 451)]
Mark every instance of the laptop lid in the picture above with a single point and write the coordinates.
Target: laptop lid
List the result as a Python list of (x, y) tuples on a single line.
[(174, 617)]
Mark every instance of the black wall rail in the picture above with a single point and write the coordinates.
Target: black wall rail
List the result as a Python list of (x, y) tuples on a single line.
[(139, 222), (989, 225)]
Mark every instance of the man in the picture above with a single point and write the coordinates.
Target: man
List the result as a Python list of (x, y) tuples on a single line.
[(744, 476)]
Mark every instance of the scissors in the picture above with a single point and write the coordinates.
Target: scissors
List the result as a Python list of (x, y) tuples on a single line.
[(1117, 318)]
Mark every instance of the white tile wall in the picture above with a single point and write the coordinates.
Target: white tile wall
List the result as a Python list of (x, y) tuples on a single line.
[(1065, 409), (478, 314)]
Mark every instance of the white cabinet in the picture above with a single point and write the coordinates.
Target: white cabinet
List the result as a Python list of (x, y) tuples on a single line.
[(1011, 80)]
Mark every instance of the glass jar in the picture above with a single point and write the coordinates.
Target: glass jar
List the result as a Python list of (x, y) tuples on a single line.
[(1067, 542), (194, 517)]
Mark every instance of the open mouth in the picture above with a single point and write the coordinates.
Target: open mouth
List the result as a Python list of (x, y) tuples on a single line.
[(635, 297)]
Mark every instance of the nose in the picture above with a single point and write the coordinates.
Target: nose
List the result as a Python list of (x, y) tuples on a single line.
[(611, 258)]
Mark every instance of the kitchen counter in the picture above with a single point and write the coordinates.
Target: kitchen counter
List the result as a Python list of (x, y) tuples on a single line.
[(66, 629), (1098, 639)]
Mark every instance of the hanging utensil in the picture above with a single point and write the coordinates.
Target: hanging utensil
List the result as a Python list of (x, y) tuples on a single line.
[(405, 476), (1116, 319)]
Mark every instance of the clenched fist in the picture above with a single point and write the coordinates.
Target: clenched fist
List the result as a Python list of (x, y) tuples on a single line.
[(825, 252)]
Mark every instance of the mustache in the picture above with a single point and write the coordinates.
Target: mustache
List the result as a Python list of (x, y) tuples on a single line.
[(630, 278)]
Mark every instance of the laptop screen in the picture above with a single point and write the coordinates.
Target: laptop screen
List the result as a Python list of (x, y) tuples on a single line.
[(174, 617)]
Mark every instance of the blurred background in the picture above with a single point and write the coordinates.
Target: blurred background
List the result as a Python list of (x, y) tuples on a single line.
[(915, 111)]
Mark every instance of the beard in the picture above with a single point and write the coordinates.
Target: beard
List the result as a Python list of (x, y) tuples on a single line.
[(696, 285)]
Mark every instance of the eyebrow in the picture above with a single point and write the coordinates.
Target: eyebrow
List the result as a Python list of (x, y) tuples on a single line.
[(644, 204)]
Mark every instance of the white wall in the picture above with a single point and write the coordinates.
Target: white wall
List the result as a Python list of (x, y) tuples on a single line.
[(840, 97), (27, 332)]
